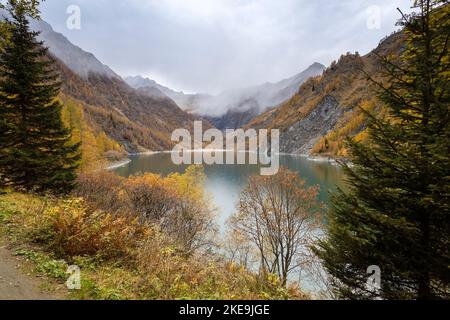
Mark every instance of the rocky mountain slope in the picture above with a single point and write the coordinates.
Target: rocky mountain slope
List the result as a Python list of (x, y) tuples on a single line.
[(137, 121), (327, 108), (151, 87), (78, 60)]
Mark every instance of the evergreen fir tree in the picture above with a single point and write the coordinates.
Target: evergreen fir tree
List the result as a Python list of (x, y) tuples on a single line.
[(35, 149), (395, 214)]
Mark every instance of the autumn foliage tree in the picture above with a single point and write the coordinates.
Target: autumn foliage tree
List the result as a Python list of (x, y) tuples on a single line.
[(278, 215)]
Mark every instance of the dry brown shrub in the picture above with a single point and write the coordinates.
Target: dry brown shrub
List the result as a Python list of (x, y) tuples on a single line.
[(79, 230), (101, 190)]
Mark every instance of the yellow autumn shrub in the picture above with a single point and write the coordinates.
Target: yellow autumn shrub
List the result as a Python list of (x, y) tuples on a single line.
[(178, 203)]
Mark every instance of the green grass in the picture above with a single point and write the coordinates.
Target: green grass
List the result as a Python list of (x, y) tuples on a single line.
[(45, 264)]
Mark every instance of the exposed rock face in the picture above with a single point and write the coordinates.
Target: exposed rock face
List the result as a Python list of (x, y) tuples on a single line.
[(302, 136), (331, 103)]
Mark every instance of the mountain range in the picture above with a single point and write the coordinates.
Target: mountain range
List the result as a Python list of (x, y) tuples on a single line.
[(136, 121), (315, 109), (230, 109)]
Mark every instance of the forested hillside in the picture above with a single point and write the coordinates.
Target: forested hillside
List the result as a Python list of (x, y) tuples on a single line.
[(97, 148), (136, 121)]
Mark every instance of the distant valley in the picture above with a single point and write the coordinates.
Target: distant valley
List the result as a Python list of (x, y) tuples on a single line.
[(233, 108)]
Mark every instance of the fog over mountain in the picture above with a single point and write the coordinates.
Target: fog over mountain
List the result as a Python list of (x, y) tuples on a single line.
[(256, 99), (245, 103)]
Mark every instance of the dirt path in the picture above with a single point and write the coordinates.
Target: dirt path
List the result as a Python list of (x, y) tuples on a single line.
[(15, 285)]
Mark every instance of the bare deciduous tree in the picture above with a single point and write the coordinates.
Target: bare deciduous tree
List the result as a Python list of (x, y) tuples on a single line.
[(278, 215)]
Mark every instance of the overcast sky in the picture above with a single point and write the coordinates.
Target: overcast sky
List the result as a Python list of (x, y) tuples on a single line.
[(213, 45)]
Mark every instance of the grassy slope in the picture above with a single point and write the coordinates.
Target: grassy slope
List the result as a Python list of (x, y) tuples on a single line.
[(51, 234)]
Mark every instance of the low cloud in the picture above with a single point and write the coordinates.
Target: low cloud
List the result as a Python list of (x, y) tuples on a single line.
[(215, 45)]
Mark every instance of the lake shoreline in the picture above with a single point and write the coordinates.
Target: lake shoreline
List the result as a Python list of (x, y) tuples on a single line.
[(327, 159), (314, 158), (118, 164)]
